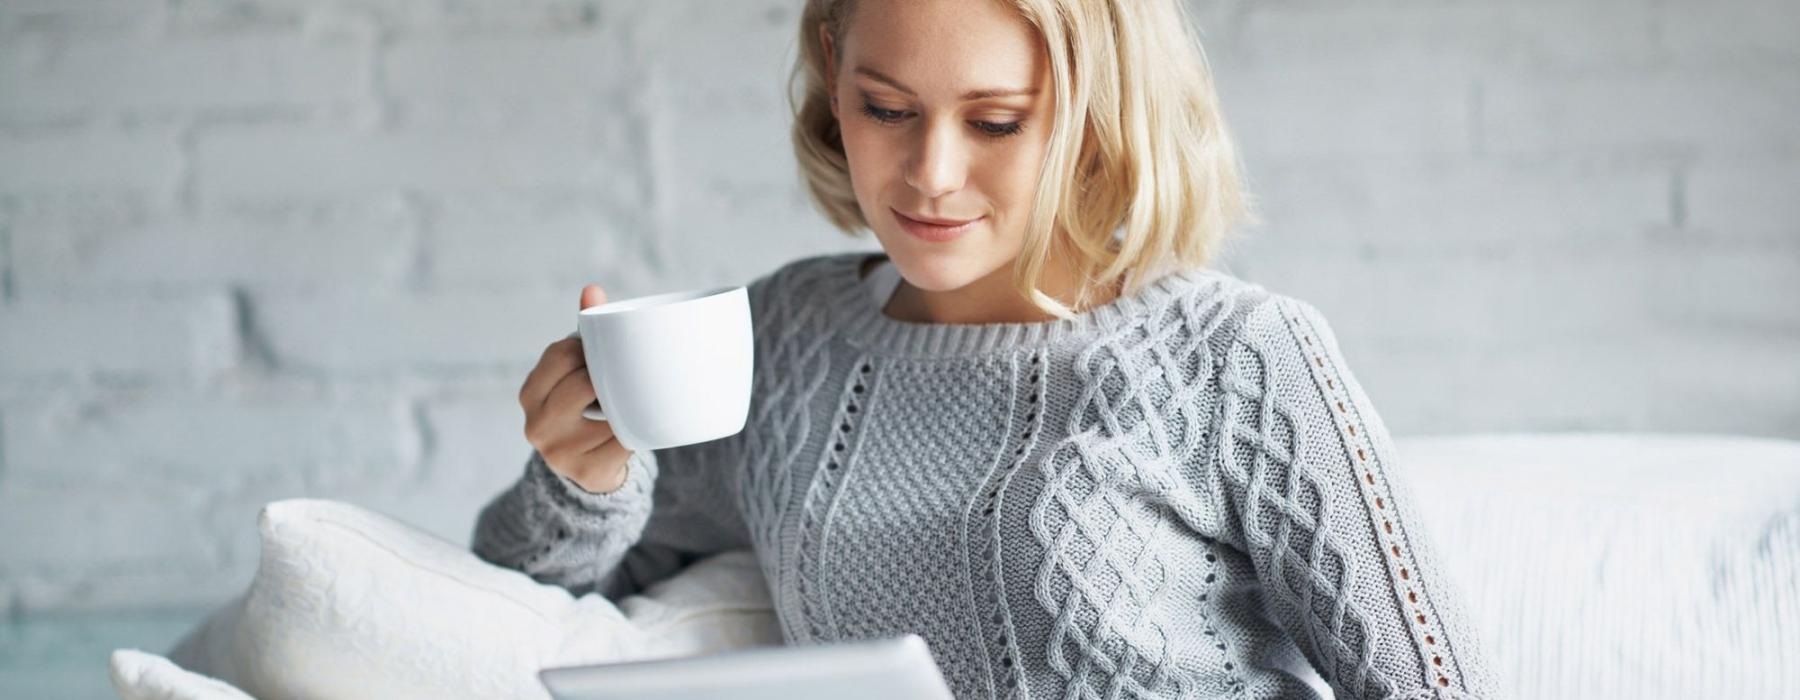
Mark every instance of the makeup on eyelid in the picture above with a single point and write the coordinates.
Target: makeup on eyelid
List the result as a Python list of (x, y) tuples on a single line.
[(992, 129)]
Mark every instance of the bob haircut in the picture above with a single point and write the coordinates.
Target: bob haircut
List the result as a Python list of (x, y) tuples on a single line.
[(1141, 172)]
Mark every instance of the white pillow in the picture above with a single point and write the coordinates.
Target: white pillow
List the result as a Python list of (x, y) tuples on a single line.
[(139, 675), (347, 603), (1623, 566)]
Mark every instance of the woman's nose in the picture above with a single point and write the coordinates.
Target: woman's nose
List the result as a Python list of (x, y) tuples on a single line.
[(940, 161)]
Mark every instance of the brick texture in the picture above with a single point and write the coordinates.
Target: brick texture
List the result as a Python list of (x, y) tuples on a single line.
[(255, 249)]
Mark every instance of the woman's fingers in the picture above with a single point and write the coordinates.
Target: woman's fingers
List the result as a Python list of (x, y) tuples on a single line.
[(592, 295), (558, 360), (554, 395), (558, 426), (570, 396)]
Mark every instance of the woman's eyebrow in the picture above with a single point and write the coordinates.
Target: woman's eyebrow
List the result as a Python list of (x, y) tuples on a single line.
[(967, 96)]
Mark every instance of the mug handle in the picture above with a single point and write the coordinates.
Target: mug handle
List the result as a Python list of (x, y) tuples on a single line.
[(592, 412)]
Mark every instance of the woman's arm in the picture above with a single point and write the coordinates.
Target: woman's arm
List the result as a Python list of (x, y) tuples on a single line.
[(559, 533), (676, 505), (617, 543), (1309, 479)]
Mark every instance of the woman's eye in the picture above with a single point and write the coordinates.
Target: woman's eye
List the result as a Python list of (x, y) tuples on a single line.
[(992, 129), (882, 115), (1000, 129)]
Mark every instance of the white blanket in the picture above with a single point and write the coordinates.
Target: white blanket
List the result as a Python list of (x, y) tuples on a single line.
[(1595, 566)]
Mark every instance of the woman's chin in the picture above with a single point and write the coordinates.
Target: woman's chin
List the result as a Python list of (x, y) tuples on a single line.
[(942, 267), (932, 275)]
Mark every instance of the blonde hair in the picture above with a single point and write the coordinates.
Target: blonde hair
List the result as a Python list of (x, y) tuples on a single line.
[(1138, 145)]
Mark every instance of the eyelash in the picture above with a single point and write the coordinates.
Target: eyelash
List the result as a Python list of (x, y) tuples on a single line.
[(991, 129)]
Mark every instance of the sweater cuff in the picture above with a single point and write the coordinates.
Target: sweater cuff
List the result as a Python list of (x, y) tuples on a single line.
[(640, 470)]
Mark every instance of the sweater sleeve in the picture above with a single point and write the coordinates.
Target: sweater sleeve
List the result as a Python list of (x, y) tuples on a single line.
[(1310, 484), (559, 533), (677, 505), (616, 543)]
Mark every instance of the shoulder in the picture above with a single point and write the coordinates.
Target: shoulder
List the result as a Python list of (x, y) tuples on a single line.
[(1227, 307), (1279, 322), (1274, 343), (802, 279), (1229, 317), (812, 270)]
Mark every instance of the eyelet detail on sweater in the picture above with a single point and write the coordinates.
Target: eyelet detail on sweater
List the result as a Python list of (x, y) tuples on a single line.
[(1392, 548), (828, 480), (983, 535), (1205, 614)]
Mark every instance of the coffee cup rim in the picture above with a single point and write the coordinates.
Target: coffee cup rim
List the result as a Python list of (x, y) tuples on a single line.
[(665, 299)]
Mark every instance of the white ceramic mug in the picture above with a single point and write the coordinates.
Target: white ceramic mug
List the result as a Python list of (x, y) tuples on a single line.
[(670, 369)]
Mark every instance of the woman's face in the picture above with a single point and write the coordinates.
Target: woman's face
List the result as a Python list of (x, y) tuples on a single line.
[(945, 111)]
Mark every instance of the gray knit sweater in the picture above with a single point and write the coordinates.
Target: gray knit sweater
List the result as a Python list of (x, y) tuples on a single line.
[(1174, 495)]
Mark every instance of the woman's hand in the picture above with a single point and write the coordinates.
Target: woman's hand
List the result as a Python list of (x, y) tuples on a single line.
[(553, 396)]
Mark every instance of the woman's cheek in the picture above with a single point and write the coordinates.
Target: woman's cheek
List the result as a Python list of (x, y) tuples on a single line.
[(869, 162)]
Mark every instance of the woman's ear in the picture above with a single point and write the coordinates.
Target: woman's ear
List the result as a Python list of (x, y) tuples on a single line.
[(825, 45)]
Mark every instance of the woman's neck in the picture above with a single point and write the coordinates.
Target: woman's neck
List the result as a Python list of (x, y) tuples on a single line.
[(991, 299)]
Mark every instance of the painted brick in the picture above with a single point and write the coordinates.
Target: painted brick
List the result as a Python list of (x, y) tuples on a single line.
[(208, 443), (36, 161), (149, 73), (358, 334), (567, 68), (356, 243), (503, 241), (475, 150), (186, 336), (1684, 111)]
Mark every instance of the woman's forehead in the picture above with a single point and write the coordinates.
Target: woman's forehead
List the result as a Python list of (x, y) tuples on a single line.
[(942, 48)]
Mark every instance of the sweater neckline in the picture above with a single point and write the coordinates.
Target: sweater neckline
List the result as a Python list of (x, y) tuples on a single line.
[(863, 322)]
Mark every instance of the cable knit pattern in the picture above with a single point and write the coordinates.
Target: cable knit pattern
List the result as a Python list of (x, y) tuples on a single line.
[(1164, 497)]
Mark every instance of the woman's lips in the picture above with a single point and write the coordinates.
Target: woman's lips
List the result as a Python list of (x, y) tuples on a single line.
[(935, 233)]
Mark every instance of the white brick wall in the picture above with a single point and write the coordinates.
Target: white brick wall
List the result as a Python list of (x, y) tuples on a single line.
[(252, 249)]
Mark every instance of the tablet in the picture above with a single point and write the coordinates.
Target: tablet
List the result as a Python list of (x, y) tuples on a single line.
[(899, 668)]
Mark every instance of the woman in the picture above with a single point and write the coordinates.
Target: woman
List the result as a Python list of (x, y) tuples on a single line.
[(1035, 430)]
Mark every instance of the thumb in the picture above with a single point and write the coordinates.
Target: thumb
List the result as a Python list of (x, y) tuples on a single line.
[(592, 295)]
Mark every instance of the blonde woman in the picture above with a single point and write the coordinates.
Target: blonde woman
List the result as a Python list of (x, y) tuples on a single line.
[(1035, 429)]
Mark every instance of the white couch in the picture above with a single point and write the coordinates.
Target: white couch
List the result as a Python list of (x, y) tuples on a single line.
[(1596, 566)]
